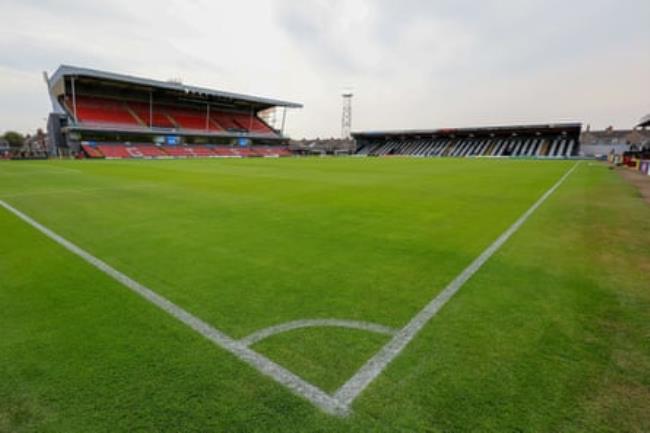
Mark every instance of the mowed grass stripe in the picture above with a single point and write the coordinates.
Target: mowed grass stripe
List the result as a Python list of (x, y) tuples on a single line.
[(327, 239), (240, 350), (376, 365), (72, 360), (343, 398), (550, 335), (313, 243)]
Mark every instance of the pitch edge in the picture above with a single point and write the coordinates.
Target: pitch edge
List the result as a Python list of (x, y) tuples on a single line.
[(339, 403), (376, 365)]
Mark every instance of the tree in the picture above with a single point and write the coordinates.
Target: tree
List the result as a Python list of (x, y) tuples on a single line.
[(14, 139)]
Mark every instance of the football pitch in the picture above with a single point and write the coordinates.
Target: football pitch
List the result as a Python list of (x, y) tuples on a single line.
[(323, 295)]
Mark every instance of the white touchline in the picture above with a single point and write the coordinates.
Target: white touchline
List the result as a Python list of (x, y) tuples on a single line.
[(339, 403), (299, 386), (373, 368)]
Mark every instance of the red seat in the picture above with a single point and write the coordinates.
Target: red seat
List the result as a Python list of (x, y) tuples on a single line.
[(226, 121), (187, 118), (92, 109), (240, 121), (201, 151), (158, 117), (178, 151), (150, 151), (92, 152), (114, 151), (224, 151), (102, 110), (252, 124)]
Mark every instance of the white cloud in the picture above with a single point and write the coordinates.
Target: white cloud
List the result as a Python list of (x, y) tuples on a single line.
[(414, 63)]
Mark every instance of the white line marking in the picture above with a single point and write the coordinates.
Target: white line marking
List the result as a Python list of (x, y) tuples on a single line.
[(375, 365), (338, 404), (315, 323), (264, 365)]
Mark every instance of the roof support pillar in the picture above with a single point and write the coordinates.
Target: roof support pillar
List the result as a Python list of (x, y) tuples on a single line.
[(284, 120), (74, 99), (207, 117), (150, 108)]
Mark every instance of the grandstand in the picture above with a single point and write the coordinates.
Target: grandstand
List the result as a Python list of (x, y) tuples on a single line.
[(542, 141), (99, 114)]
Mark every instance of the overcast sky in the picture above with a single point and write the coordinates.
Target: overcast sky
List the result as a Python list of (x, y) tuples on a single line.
[(410, 63)]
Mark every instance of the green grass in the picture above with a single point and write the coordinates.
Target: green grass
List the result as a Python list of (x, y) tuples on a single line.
[(553, 334)]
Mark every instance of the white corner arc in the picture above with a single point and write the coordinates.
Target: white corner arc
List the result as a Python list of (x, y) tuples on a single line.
[(265, 333)]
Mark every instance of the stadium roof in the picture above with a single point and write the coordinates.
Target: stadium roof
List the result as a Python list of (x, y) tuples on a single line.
[(497, 130), (68, 71), (645, 121)]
